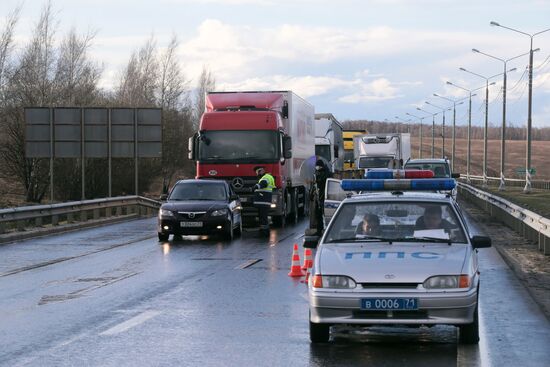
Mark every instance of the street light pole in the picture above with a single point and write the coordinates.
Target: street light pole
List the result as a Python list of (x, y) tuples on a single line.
[(454, 125), (486, 128), (433, 127), (501, 187), (420, 133), (527, 188), (403, 120), (442, 126), (469, 153)]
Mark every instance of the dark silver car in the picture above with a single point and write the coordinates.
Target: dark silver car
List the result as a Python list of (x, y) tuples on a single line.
[(396, 258), (196, 207)]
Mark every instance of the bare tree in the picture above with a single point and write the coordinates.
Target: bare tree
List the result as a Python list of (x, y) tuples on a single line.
[(76, 75), (206, 83), (139, 81)]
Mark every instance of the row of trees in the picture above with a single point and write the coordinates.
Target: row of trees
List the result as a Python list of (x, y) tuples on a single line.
[(51, 70), (461, 131)]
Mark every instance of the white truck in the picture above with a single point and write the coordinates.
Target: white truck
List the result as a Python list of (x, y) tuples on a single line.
[(329, 141), (381, 150)]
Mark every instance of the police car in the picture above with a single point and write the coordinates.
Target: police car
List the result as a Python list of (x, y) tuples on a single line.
[(415, 265)]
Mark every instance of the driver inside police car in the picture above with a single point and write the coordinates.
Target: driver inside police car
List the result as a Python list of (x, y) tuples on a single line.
[(432, 219), (370, 225)]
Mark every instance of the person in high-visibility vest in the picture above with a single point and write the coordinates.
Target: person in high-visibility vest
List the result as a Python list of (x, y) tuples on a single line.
[(263, 192)]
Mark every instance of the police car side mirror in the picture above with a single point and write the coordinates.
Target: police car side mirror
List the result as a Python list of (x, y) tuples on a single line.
[(455, 175), (480, 241), (311, 241), (163, 197)]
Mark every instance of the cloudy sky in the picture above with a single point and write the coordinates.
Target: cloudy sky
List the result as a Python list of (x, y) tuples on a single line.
[(358, 59)]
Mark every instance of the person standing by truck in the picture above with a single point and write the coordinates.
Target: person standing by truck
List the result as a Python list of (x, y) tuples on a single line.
[(263, 192)]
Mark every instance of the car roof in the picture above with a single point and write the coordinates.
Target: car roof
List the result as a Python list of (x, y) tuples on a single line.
[(402, 196), (427, 160), (197, 181)]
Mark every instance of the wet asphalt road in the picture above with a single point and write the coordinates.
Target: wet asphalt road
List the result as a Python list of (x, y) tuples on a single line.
[(114, 296)]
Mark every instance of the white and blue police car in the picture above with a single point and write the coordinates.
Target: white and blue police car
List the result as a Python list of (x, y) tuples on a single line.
[(413, 263)]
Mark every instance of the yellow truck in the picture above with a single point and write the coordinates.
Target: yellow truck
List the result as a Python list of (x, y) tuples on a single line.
[(349, 159)]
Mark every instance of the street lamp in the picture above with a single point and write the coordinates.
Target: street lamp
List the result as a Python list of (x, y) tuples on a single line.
[(433, 127), (469, 153), (403, 120), (454, 102), (503, 132), (486, 120), (527, 188), (420, 144), (443, 109)]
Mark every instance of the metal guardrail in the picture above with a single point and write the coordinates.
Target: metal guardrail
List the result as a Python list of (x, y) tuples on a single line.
[(515, 182), (21, 218), (530, 225)]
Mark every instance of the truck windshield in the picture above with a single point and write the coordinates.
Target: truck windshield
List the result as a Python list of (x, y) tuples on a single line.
[(239, 146), (323, 151), (374, 162)]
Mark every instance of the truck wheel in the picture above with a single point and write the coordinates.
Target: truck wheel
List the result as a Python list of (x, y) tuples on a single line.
[(163, 236), (280, 220), (293, 215), (302, 211)]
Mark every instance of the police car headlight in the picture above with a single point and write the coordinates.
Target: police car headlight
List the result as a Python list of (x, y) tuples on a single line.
[(447, 281), (333, 281), (219, 212), (165, 213)]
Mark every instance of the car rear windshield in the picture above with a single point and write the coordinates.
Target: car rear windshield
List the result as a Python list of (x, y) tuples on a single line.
[(404, 220), (440, 170), (198, 191)]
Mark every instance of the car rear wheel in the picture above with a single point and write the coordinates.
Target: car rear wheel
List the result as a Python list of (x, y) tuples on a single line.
[(163, 236), (319, 333), (469, 333)]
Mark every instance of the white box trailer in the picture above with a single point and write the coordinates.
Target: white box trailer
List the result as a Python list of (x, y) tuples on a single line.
[(381, 150), (329, 140)]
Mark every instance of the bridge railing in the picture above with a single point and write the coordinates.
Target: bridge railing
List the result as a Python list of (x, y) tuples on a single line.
[(530, 225), (21, 218), (514, 182)]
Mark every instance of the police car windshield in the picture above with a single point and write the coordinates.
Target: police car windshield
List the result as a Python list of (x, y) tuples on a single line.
[(198, 191), (404, 221)]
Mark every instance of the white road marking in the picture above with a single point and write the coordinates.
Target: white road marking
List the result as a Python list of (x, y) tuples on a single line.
[(128, 324), (299, 236)]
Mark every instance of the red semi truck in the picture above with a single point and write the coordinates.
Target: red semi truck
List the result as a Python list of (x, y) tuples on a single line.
[(242, 130)]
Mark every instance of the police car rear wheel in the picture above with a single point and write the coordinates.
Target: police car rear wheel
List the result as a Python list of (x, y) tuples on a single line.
[(319, 333)]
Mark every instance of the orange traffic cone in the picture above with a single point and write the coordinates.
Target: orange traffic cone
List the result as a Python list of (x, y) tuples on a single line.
[(306, 279), (295, 268), (308, 261)]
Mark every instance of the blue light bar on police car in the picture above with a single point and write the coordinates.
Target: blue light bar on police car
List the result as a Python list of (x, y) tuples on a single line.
[(398, 185)]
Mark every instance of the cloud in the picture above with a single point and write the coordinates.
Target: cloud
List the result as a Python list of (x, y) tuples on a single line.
[(305, 86), (377, 90)]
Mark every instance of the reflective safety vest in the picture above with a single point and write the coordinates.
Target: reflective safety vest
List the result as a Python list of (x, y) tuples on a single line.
[(270, 183), (262, 196)]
